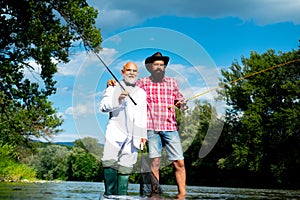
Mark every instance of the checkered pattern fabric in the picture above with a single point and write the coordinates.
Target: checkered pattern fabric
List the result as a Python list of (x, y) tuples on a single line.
[(161, 98)]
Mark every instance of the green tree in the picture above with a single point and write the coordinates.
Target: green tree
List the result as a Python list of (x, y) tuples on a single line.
[(51, 162), (37, 33), (58, 162), (262, 119), (90, 145), (83, 166), (194, 128)]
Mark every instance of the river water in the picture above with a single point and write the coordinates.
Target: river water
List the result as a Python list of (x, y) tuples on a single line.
[(90, 190)]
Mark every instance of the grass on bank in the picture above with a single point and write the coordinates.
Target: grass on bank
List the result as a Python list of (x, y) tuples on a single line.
[(11, 169)]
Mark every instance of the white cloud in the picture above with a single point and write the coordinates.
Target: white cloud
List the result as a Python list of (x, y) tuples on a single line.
[(108, 54), (61, 114), (84, 105), (72, 67), (62, 90), (115, 14), (120, 17), (69, 111), (80, 110), (83, 59)]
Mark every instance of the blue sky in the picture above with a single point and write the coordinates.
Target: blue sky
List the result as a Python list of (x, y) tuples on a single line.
[(201, 37)]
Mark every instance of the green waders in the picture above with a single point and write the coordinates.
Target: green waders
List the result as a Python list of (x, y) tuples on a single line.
[(115, 183), (115, 180), (110, 181), (123, 184)]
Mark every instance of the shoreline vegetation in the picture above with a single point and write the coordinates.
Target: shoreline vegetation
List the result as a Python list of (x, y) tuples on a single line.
[(51, 162), (32, 181), (54, 163), (11, 170)]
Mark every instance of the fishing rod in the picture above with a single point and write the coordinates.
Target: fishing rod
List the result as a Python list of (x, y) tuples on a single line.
[(239, 79), (86, 42), (113, 76)]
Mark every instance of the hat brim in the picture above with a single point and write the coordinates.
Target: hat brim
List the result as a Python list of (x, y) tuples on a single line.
[(152, 59)]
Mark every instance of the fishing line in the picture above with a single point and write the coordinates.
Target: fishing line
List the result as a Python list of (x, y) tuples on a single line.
[(241, 78)]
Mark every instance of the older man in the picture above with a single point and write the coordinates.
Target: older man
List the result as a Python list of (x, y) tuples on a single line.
[(125, 131)]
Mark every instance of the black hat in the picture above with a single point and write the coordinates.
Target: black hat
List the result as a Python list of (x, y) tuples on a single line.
[(156, 56)]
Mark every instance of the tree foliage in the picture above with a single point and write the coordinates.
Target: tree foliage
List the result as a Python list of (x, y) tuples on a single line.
[(194, 128), (90, 145), (83, 166), (263, 115), (50, 162), (35, 37), (58, 162), (10, 168)]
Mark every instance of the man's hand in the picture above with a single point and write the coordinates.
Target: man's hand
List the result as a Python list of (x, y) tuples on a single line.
[(181, 105), (111, 82), (122, 96), (143, 143)]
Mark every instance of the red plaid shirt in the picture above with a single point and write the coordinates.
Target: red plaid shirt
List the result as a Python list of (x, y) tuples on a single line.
[(161, 98)]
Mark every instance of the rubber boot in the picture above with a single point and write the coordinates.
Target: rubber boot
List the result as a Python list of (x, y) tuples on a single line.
[(110, 181), (123, 184)]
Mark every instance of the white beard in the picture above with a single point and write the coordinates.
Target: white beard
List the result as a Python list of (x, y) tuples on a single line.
[(130, 80)]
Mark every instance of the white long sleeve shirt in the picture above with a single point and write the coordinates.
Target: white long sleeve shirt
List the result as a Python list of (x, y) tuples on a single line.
[(126, 119)]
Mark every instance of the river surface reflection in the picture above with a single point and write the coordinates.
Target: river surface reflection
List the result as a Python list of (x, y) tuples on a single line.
[(90, 190)]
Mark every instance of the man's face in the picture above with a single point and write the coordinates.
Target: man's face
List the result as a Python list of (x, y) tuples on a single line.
[(130, 73), (158, 69)]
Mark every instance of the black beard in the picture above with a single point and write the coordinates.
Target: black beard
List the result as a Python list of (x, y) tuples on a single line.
[(158, 75)]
